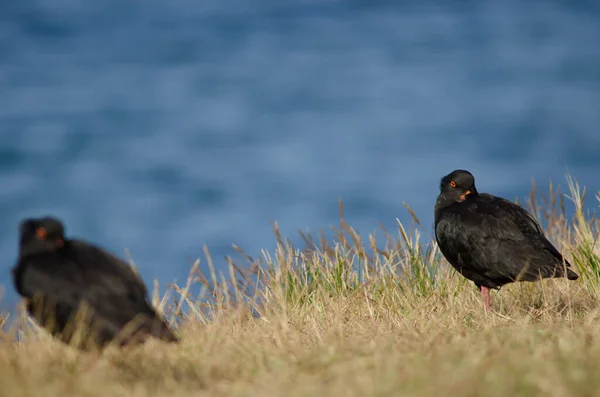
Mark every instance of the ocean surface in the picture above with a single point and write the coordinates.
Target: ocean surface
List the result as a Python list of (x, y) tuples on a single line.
[(161, 126)]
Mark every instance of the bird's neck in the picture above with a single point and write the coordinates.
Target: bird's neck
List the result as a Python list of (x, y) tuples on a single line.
[(443, 202), (38, 248)]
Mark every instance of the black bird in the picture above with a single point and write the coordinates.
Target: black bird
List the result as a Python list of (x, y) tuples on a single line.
[(80, 293), (492, 241)]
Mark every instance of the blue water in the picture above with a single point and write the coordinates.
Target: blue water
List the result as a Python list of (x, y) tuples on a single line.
[(164, 126)]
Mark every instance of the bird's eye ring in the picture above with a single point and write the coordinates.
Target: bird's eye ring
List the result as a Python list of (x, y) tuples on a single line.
[(452, 183)]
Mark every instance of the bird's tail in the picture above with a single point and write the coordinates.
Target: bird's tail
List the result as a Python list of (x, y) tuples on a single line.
[(571, 275), (158, 328), (563, 268), (144, 326)]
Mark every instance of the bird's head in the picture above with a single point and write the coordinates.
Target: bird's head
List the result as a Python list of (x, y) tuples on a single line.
[(456, 187), (39, 235)]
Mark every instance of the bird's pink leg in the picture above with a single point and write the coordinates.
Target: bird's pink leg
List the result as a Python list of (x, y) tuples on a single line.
[(485, 292)]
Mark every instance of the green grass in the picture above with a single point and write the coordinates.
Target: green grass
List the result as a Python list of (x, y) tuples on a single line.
[(379, 315)]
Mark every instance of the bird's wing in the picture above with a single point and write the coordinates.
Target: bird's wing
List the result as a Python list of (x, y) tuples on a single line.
[(123, 289), (525, 221), (110, 264)]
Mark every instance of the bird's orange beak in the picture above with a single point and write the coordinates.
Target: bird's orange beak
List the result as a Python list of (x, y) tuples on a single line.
[(464, 196)]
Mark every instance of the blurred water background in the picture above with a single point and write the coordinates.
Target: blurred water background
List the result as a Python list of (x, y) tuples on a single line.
[(159, 127)]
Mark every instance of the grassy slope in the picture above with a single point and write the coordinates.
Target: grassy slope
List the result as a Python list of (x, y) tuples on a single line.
[(350, 319)]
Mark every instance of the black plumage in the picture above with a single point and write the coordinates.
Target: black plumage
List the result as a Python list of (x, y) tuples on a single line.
[(492, 241), (80, 293)]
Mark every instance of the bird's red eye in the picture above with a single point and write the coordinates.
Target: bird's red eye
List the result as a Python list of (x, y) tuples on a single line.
[(40, 232), (452, 183)]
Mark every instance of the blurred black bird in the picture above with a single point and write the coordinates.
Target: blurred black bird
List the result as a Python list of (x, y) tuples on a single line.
[(492, 241), (80, 293)]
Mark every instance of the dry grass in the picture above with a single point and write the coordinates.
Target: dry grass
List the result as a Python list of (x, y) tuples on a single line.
[(347, 318)]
